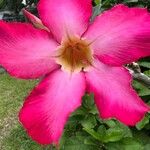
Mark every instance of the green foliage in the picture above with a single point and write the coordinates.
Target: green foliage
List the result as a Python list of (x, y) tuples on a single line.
[(2, 3), (125, 144), (89, 129), (142, 90), (145, 121)]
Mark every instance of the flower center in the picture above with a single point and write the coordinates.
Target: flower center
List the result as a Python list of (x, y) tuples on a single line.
[(74, 54)]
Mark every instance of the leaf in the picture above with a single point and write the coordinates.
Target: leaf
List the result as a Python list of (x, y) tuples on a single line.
[(147, 72), (2, 3), (94, 134), (125, 144), (142, 136), (88, 101), (93, 110), (144, 64), (97, 2), (147, 147), (89, 104), (114, 134), (80, 111), (144, 91), (126, 130), (141, 89), (116, 124), (102, 131), (131, 1), (90, 141), (103, 135), (78, 142), (142, 123), (89, 122), (110, 123), (96, 11)]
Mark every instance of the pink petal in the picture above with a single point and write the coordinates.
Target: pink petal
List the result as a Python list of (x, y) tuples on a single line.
[(114, 95), (120, 35), (34, 20), (65, 16), (26, 52), (48, 107)]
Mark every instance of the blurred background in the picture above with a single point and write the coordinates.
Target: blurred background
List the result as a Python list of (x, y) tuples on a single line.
[(10, 10), (84, 130)]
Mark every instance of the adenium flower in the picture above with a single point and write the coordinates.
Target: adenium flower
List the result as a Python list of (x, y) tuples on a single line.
[(76, 56)]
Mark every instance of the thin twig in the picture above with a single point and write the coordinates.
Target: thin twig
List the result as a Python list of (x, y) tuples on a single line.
[(135, 71)]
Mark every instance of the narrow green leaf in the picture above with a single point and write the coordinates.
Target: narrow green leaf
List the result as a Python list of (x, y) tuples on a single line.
[(142, 123), (144, 64), (131, 1)]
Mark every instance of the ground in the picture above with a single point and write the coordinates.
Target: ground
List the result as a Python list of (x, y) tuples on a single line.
[(13, 93)]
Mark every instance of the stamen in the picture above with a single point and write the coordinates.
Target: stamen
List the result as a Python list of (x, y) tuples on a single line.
[(74, 54)]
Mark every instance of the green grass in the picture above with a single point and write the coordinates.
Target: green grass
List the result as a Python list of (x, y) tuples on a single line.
[(13, 91), (12, 95)]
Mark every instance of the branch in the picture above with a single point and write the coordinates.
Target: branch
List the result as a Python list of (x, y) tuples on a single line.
[(135, 71)]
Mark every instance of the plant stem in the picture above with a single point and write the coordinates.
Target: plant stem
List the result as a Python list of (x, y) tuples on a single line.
[(135, 71)]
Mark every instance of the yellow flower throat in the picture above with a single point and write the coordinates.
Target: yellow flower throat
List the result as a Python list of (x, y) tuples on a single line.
[(74, 54)]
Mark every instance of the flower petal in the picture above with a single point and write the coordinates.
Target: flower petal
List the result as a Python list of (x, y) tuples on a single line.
[(114, 95), (47, 109), (65, 16), (120, 35), (37, 23), (26, 52)]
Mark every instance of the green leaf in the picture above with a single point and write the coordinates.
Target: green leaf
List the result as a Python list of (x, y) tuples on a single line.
[(102, 131), (147, 147), (80, 111), (97, 2), (96, 11), (143, 137), (125, 144), (93, 110), (89, 122), (114, 134), (147, 72), (141, 89), (144, 92), (116, 124), (110, 123), (126, 130), (88, 101), (78, 142), (103, 135), (142, 123), (2, 3), (94, 134), (131, 1), (91, 141), (144, 64)]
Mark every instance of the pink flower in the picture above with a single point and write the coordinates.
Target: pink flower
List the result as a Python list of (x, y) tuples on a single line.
[(76, 56)]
